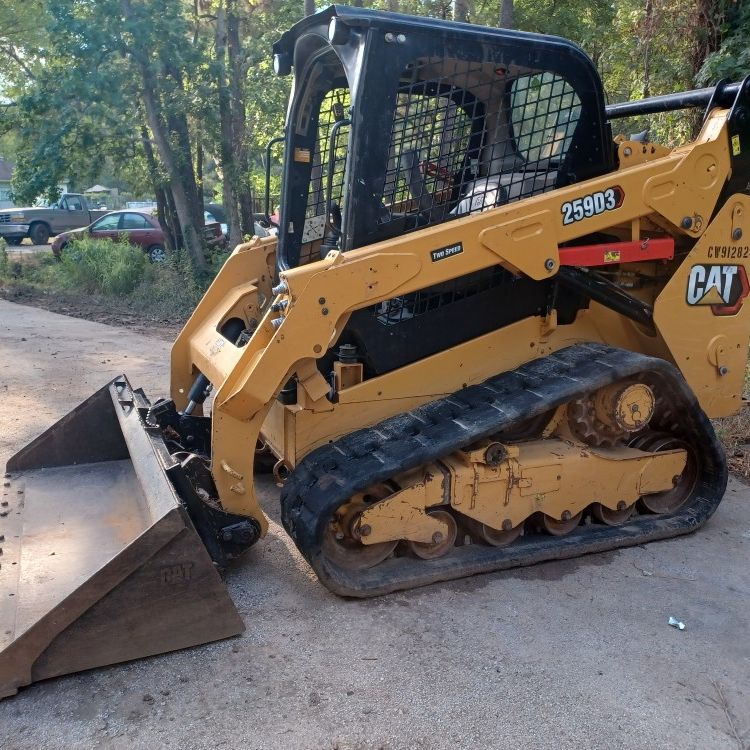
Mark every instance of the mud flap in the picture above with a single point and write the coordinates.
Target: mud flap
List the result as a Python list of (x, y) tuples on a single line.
[(99, 561)]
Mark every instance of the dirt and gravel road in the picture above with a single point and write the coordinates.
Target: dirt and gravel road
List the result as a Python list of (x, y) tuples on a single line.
[(575, 654)]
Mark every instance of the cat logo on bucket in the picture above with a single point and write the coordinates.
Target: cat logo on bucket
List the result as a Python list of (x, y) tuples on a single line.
[(722, 288)]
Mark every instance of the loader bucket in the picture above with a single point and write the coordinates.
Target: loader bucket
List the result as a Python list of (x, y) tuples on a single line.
[(100, 562)]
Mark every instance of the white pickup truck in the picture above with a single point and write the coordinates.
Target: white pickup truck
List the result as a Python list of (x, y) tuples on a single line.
[(71, 211)]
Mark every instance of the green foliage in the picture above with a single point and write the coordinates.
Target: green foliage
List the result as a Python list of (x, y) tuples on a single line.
[(169, 290), (73, 68), (166, 292), (79, 113), (102, 266), (732, 59), (23, 37)]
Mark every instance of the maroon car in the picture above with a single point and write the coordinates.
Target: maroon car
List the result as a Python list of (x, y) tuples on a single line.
[(137, 227)]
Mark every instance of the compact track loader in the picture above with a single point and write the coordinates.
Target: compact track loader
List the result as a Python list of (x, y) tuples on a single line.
[(488, 334)]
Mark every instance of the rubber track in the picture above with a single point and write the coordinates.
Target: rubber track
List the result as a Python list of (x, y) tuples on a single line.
[(331, 474)]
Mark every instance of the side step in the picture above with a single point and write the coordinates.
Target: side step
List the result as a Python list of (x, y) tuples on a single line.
[(100, 562)]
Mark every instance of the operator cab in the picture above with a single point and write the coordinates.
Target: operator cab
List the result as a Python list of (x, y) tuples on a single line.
[(397, 123)]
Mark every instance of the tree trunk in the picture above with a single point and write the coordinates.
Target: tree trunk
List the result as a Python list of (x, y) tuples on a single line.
[(708, 31), (708, 35), (173, 221), (309, 7), (177, 125), (226, 135), (162, 205), (506, 14), (461, 10), (183, 194), (648, 24), (237, 88)]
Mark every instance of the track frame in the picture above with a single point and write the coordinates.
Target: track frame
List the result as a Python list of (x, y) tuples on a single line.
[(328, 476)]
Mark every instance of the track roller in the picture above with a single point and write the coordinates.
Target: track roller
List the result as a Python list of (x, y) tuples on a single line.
[(610, 517), (560, 528), (441, 543)]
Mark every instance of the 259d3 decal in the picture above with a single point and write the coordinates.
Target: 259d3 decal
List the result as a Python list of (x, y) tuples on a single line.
[(723, 288), (592, 205)]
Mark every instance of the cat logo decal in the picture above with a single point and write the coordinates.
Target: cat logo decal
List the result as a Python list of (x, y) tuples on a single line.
[(722, 288)]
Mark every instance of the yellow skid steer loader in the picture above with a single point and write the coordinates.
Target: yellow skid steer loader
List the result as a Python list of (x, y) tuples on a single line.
[(489, 333)]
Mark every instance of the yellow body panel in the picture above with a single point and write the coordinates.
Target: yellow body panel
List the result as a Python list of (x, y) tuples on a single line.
[(661, 188), (710, 350)]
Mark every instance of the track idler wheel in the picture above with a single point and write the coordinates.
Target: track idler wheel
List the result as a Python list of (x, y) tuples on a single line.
[(442, 543), (342, 543), (684, 484)]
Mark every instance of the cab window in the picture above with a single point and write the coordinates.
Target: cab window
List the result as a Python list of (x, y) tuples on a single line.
[(469, 136), (107, 223), (315, 175), (74, 203), (135, 221)]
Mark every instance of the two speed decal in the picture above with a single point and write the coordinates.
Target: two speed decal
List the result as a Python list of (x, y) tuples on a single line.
[(592, 205), (446, 252)]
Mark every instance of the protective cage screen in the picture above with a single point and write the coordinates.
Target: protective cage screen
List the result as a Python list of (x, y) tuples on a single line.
[(470, 136), (467, 137), (335, 105)]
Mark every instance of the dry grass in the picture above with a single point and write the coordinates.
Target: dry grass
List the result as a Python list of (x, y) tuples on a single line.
[(734, 433)]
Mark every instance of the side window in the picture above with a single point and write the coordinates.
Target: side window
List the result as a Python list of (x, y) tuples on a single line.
[(429, 142), (74, 203), (544, 112), (469, 136), (135, 221), (107, 223), (334, 107)]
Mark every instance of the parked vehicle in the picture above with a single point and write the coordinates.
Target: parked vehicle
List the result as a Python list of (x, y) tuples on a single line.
[(137, 227), (72, 211), (215, 212), (12, 228), (212, 219), (213, 232)]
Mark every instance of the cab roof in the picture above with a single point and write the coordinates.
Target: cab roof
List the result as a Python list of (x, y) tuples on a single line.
[(365, 18)]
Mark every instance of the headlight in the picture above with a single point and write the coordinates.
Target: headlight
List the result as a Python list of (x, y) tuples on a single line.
[(282, 64)]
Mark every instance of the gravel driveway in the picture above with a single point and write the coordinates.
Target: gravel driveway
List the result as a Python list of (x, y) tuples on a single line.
[(572, 654)]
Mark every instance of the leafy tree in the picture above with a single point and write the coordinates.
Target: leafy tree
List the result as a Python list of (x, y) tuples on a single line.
[(181, 96), (732, 58), (22, 39)]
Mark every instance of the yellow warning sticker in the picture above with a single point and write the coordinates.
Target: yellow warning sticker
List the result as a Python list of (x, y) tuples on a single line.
[(611, 256), (735, 145), (302, 155)]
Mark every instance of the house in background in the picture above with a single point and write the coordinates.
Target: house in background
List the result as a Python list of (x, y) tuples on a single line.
[(6, 173)]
